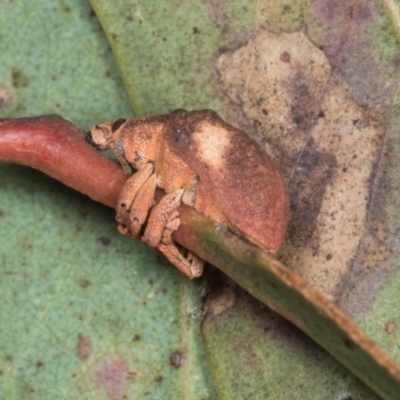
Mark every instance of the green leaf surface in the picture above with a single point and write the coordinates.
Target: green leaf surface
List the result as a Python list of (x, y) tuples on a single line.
[(85, 313)]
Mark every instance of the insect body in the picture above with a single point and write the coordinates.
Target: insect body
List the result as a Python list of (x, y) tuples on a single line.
[(203, 162)]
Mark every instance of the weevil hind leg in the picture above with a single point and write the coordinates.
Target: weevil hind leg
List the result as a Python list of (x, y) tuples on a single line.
[(191, 265), (135, 200), (163, 221)]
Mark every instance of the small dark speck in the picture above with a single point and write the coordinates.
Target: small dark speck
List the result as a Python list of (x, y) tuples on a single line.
[(129, 18), (84, 283), (195, 30), (285, 57), (264, 111), (136, 338), (355, 156), (39, 364), (321, 114), (349, 344), (176, 359), (329, 257), (164, 290), (150, 281), (92, 14), (355, 121), (158, 379), (67, 9), (104, 240), (1, 372), (1, 213)]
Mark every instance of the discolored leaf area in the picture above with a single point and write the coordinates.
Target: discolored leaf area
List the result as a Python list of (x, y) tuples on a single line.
[(99, 316), (316, 84), (85, 313)]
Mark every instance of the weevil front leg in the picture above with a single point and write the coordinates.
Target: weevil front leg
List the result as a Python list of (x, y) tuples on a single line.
[(162, 222), (135, 200)]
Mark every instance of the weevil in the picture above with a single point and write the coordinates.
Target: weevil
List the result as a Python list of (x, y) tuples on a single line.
[(199, 160)]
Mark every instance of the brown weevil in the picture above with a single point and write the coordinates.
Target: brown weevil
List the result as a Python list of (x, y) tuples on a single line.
[(201, 161)]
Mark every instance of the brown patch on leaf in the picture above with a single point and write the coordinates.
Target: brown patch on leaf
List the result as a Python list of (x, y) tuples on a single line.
[(176, 359), (390, 327), (112, 377), (84, 347), (5, 96), (327, 145), (307, 189)]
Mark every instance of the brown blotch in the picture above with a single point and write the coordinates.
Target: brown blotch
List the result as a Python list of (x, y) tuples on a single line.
[(313, 173), (84, 347), (176, 359), (5, 96), (285, 57), (104, 240), (18, 79), (390, 327), (39, 365), (112, 376), (1, 214), (84, 283)]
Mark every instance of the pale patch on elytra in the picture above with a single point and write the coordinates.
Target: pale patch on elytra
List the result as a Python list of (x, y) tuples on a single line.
[(285, 86), (211, 143)]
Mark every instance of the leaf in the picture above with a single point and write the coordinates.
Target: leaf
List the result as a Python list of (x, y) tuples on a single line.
[(86, 313), (321, 99)]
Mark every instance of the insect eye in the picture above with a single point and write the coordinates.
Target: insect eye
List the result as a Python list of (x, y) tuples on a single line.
[(117, 124)]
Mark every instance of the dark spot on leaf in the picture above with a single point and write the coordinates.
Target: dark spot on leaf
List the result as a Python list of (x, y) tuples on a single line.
[(285, 57), (5, 96), (104, 240), (313, 172), (329, 257), (195, 30), (158, 379), (1, 213), (39, 364), (136, 338), (176, 359), (67, 9), (18, 79), (390, 327), (349, 344), (84, 283), (112, 376), (84, 347)]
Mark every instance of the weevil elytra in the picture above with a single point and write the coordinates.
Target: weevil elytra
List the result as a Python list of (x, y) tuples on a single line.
[(201, 161)]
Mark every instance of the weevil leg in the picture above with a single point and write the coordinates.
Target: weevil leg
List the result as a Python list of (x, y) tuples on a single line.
[(135, 200), (141, 205), (162, 222), (160, 216), (191, 265)]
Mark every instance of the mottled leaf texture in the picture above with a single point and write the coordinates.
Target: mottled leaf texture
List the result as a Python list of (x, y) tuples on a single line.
[(89, 314)]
